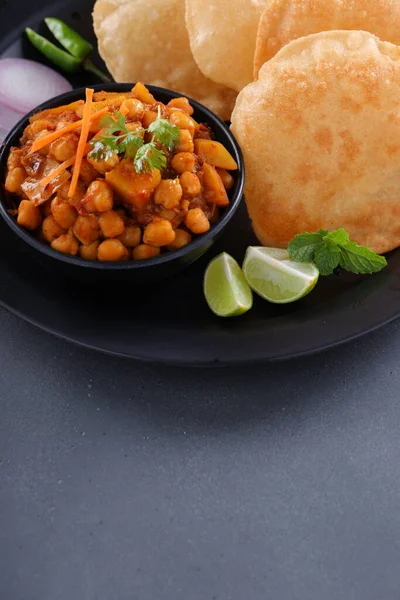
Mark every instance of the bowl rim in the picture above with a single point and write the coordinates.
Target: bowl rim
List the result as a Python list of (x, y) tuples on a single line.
[(167, 257)]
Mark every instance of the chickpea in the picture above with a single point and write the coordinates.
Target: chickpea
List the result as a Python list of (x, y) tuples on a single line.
[(99, 197), (45, 150), (168, 193), (135, 109), (197, 221), (181, 104), (14, 159), (15, 178), (37, 127), (226, 179), (185, 205), (149, 118), (87, 172), (111, 250), (111, 224), (86, 229), (185, 143), (29, 215), (104, 165), (173, 216), (89, 252), (64, 147), (183, 121), (159, 233), (77, 198), (190, 184), (51, 229), (66, 244), (64, 214), (136, 127), (145, 251), (131, 237), (182, 238), (183, 161), (62, 124)]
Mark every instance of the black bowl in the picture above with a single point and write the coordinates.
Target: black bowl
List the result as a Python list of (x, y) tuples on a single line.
[(142, 271)]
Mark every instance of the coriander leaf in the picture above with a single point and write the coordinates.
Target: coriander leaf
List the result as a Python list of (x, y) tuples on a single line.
[(112, 124), (148, 158), (339, 237), (327, 257), (303, 247), (106, 120), (101, 150), (361, 260), (165, 132), (130, 144)]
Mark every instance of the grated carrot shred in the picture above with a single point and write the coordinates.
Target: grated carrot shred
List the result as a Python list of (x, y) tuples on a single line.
[(82, 141), (54, 135)]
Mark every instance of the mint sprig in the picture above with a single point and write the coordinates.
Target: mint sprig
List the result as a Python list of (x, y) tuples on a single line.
[(329, 250)]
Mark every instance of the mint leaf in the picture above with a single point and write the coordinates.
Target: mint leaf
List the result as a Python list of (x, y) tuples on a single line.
[(303, 247), (361, 260), (327, 258), (330, 249), (339, 237)]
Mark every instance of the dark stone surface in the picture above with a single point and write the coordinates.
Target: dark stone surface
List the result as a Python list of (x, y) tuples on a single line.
[(126, 481)]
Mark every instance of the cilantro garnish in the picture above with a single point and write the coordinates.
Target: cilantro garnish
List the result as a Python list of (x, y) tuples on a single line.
[(329, 250), (118, 138), (148, 155), (164, 132)]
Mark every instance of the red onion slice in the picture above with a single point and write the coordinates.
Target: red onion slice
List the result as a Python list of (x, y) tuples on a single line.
[(8, 118), (25, 84)]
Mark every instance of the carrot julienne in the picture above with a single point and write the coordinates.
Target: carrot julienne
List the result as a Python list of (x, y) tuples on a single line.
[(57, 171), (54, 135), (82, 141)]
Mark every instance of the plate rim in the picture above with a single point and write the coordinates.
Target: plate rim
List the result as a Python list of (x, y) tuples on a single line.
[(355, 331)]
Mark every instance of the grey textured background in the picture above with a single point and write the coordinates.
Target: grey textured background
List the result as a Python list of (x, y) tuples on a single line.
[(125, 481)]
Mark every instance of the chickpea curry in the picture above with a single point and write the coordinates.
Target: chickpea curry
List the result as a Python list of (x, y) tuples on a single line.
[(119, 176)]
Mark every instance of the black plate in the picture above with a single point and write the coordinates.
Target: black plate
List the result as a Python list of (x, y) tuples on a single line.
[(171, 322)]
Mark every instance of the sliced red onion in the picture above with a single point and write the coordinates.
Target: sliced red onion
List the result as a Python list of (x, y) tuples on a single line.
[(8, 117), (25, 84)]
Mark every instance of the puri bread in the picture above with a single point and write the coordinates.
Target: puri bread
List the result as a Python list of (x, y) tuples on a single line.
[(103, 8), (320, 134), (147, 40), (283, 21), (222, 37)]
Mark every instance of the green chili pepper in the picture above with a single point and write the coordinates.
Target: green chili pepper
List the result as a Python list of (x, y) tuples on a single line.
[(78, 48), (57, 56), (70, 39)]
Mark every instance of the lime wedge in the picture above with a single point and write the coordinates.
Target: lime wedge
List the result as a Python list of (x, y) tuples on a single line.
[(275, 277), (225, 287)]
